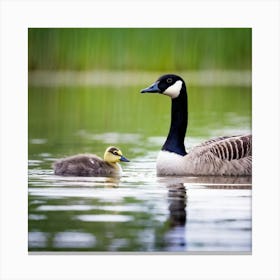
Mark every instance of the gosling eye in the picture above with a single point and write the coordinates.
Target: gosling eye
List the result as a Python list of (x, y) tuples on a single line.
[(169, 80), (115, 153)]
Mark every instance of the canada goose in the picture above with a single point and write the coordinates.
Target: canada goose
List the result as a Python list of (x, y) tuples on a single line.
[(91, 165), (226, 155)]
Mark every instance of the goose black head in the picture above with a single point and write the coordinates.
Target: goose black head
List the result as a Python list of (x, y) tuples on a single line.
[(168, 84)]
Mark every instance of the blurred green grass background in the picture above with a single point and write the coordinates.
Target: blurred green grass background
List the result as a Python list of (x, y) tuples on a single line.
[(139, 49)]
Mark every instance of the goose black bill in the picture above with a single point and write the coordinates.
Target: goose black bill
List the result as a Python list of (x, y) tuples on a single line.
[(152, 89)]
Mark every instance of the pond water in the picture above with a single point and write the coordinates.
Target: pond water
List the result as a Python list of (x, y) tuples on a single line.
[(139, 212)]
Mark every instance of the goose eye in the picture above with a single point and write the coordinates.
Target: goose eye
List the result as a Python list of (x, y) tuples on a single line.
[(169, 80), (115, 153)]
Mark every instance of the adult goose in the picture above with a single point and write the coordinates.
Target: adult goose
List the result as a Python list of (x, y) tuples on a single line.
[(91, 165), (226, 155)]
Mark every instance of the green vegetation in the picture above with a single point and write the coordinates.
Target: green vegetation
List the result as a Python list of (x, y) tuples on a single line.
[(138, 49)]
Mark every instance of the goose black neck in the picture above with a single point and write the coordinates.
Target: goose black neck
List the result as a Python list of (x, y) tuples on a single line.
[(179, 122)]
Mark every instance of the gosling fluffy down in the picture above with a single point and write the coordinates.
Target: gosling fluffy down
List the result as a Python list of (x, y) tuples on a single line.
[(91, 165)]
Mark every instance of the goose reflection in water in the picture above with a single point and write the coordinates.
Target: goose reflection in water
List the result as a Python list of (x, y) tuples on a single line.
[(175, 237), (177, 199)]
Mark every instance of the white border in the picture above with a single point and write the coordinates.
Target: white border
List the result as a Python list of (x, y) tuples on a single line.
[(17, 16)]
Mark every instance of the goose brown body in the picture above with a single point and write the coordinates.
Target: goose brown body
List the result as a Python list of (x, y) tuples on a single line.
[(221, 156)]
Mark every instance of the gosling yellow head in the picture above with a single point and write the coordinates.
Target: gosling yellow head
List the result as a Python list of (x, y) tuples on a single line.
[(114, 155)]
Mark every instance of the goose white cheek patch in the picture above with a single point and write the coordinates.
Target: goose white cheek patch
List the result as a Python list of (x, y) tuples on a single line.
[(174, 90)]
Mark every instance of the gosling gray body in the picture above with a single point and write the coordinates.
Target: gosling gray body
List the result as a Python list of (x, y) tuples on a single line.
[(91, 165), (84, 165)]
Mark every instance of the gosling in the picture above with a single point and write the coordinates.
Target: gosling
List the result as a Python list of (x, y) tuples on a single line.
[(90, 165)]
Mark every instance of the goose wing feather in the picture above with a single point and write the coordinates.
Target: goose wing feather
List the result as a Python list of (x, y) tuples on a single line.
[(214, 140), (231, 148), (223, 156)]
